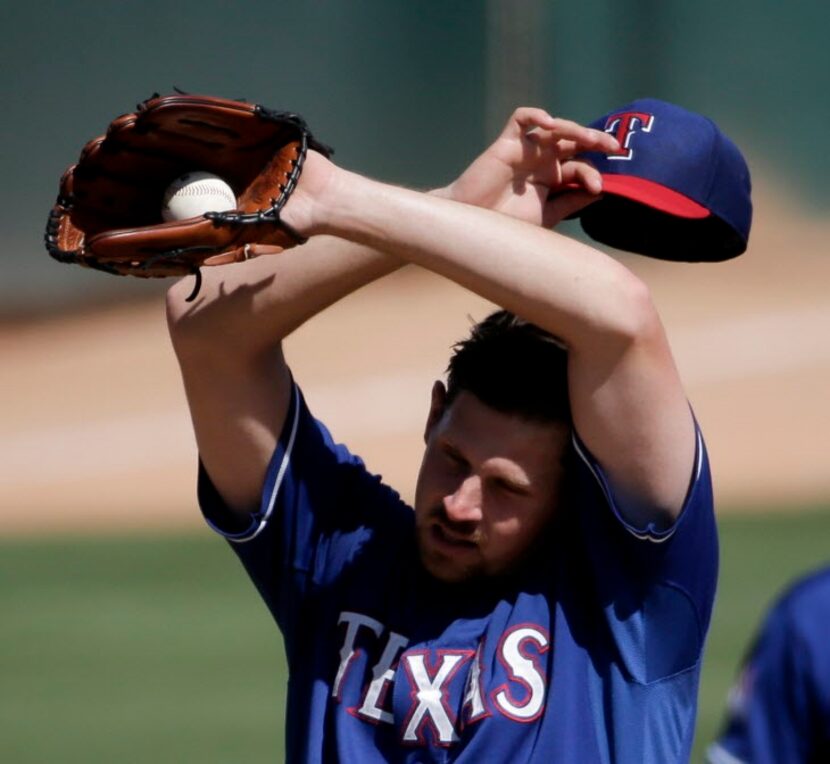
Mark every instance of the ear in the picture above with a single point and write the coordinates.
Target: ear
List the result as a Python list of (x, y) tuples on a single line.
[(438, 405)]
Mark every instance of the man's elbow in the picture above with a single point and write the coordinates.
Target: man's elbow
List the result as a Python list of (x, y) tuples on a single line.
[(642, 319), (631, 316), (185, 320)]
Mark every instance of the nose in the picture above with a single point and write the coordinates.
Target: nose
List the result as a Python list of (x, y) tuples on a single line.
[(464, 504)]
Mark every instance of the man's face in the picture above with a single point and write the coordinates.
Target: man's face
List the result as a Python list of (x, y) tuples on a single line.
[(489, 485)]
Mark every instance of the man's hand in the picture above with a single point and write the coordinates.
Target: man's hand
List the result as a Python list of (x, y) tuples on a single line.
[(525, 171)]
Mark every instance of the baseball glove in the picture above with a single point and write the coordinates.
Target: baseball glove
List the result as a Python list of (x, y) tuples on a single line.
[(108, 212)]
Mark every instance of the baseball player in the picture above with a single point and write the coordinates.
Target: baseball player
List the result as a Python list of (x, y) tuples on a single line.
[(779, 709), (546, 598)]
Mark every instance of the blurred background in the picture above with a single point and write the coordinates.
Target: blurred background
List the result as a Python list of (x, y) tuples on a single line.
[(128, 632)]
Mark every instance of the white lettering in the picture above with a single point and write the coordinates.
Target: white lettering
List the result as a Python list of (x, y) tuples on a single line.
[(431, 695), (347, 653), (473, 695), (525, 671), (382, 676)]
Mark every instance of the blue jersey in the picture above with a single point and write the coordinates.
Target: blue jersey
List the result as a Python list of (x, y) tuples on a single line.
[(590, 653), (780, 707)]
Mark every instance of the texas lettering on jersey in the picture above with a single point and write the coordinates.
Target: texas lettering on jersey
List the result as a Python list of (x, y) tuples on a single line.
[(374, 659)]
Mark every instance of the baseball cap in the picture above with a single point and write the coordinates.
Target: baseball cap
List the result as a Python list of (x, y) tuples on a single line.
[(678, 188)]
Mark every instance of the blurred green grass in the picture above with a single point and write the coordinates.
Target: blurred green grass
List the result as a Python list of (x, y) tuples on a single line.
[(136, 649), (145, 648)]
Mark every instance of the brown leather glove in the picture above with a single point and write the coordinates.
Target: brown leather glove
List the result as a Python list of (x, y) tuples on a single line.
[(108, 212)]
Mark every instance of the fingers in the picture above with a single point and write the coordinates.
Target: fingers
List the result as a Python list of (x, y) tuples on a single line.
[(581, 174), (579, 139), (569, 137), (243, 253), (527, 118), (586, 182), (224, 258)]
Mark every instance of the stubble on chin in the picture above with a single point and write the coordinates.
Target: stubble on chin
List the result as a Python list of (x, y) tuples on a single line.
[(442, 564)]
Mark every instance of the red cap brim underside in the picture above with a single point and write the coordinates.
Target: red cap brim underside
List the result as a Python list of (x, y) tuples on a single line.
[(654, 195)]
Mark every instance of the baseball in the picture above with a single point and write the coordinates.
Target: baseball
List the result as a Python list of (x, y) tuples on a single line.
[(195, 193)]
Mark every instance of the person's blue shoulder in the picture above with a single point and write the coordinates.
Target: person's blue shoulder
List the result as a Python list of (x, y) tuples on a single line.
[(811, 589), (641, 522), (805, 604)]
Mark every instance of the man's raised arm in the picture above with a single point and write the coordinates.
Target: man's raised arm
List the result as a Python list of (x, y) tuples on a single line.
[(228, 342), (627, 400)]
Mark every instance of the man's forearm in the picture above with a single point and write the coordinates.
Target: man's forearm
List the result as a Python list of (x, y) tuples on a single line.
[(570, 289), (256, 304)]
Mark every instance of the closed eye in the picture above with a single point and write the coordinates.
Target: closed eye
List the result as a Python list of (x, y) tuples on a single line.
[(454, 456), (508, 486)]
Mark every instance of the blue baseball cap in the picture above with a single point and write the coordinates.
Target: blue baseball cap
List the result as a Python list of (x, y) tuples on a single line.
[(678, 188)]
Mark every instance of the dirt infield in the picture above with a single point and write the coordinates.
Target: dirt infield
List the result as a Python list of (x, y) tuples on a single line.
[(95, 431)]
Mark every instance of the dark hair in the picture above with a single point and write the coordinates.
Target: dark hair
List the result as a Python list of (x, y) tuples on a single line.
[(514, 367)]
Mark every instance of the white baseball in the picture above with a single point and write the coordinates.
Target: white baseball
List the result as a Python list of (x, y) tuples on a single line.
[(195, 193)]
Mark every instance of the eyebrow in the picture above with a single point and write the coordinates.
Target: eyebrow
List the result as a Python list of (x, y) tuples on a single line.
[(451, 449), (524, 486)]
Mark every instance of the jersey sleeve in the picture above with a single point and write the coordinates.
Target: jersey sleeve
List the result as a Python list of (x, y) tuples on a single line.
[(779, 708), (319, 509), (655, 586)]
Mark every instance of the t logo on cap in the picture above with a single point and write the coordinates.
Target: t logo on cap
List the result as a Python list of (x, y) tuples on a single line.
[(683, 193), (623, 126)]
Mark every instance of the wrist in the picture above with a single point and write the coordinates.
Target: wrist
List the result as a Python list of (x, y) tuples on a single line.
[(310, 206), (445, 192), (346, 207)]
